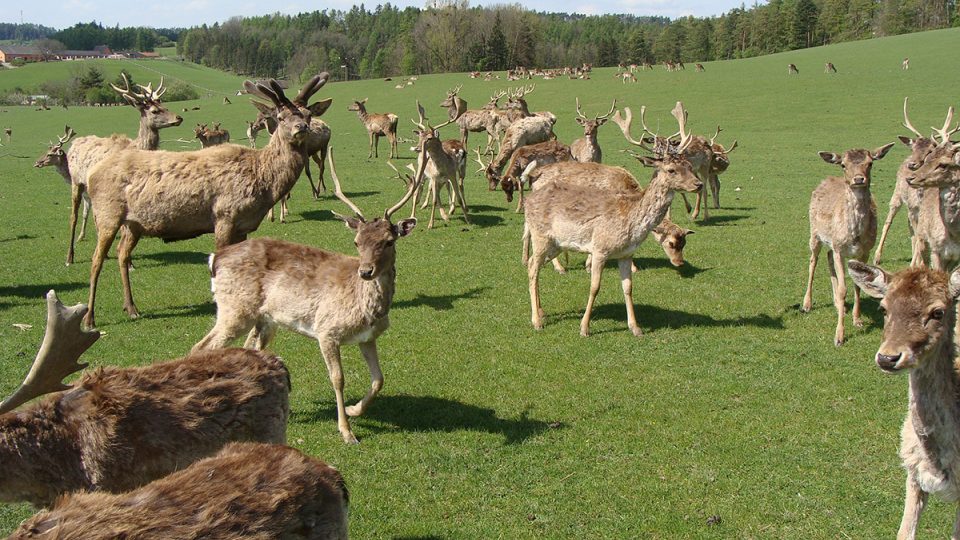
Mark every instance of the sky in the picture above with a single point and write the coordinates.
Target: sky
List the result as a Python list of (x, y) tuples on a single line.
[(186, 13)]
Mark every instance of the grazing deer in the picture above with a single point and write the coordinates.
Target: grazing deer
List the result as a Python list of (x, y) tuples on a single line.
[(247, 490), (844, 217), (118, 428), (542, 153), (905, 65), (440, 167), (699, 68), (226, 190), (606, 224), (261, 283), (587, 148), (920, 146), (85, 153), (829, 68), (919, 338), (211, 137), (792, 69), (378, 125)]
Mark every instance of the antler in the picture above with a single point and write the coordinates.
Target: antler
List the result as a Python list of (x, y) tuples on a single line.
[(455, 91), (580, 114), (63, 343), (479, 160), (408, 180), (132, 97), (422, 158), (906, 120), (680, 114), (612, 108), (945, 132), (68, 134), (626, 121), (336, 186), (715, 135), (310, 88), (149, 93), (422, 124)]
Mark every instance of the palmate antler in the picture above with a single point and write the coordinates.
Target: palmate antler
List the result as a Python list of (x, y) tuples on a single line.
[(63, 343), (625, 122), (686, 137), (945, 132)]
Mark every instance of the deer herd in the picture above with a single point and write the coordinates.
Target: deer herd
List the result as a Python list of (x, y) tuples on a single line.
[(126, 450)]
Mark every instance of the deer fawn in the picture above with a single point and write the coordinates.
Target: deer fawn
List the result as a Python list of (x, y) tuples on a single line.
[(844, 217)]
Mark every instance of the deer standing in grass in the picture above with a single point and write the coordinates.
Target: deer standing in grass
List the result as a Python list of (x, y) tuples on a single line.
[(226, 190), (829, 68), (85, 153), (378, 125), (587, 148), (843, 216), (920, 308), (334, 298), (476, 120), (440, 167), (211, 136), (513, 179), (606, 224), (528, 129), (56, 157), (792, 69), (719, 163), (118, 428), (247, 490)]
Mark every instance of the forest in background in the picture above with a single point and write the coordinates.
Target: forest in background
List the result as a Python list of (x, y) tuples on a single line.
[(450, 35)]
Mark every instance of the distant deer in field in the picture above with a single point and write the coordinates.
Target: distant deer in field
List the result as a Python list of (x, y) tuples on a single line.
[(699, 68), (211, 136), (334, 298), (920, 307), (905, 65), (626, 76), (253, 129), (226, 101), (829, 68), (844, 217), (8, 132), (587, 148), (378, 125), (247, 490), (792, 69)]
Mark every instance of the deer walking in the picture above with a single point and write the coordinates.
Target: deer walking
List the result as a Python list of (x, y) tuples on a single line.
[(843, 216), (378, 125), (260, 284)]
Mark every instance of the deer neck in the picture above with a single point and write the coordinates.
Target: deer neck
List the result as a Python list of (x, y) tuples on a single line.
[(933, 403), (950, 207), (434, 149), (653, 205), (376, 295), (148, 138), (63, 167), (362, 113), (278, 165)]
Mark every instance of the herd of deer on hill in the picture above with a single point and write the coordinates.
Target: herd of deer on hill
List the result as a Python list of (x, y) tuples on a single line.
[(123, 451)]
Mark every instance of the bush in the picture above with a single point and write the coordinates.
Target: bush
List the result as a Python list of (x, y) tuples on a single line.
[(19, 62), (181, 91)]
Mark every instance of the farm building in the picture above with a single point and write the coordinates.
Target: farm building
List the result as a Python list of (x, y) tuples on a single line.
[(9, 53), (100, 51)]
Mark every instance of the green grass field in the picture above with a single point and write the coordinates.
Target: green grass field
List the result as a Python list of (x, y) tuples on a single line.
[(733, 404)]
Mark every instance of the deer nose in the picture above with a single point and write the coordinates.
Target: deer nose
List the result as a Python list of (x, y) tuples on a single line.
[(912, 165), (859, 180), (888, 362), (366, 273), (179, 119)]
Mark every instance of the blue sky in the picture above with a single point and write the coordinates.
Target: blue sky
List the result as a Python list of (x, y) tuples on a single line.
[(173, 13)]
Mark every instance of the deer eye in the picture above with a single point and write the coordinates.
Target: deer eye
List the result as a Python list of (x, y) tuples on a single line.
[(389, 243), (937, 314), (356, 244)]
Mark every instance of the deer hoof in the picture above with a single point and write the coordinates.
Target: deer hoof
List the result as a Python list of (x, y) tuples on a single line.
[(838, 341), (858, 323), (637, 331), (350, 438), (354, 410)]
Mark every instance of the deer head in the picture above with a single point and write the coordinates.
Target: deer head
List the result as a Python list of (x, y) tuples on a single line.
[(856, 164), (590, 126), (671, 165), (267, 115), (147, 101), (940, 166), (63, 342), (453, 102), (55, 154), (375, 240), (919, 307), (293, 123), (200, 130), (720, 159), (427, 133), (494, 102), (358, 106)]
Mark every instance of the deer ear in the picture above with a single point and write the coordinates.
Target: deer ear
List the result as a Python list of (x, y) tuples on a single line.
[(404, 226), (872, 280), (830, 157), (955, 284), (906, 140), (580, 121), (320, 107), (882, 151), (647, 161), (601, 121), (352, 223)]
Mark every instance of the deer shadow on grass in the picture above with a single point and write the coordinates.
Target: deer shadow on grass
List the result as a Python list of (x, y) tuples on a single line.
[(207, 309), (655, 317), (427, 413), (18, 237), (724, 220), (38, 292), (686, 271), (175, 257), (442, 302)]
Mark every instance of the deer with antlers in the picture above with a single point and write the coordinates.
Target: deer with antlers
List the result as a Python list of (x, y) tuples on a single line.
[(440, 166), (513, 178), (844, 217), (260, 284), (606, 224), (477, 120), (85, 153), (56, 157), (247, 490), (528, 129), (253, 129), (378, 125), (587, 148), (118, 428), (227, 190), (211, 136)]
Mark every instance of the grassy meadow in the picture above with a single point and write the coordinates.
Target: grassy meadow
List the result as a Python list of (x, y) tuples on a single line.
[(733, 405)]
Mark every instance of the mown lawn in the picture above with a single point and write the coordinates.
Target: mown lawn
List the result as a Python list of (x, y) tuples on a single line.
[(732, 405)]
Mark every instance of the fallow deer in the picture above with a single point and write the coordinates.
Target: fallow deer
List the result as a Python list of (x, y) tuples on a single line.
[(829, 68), (56, 157), (440, 167), (261, 283), (905, 65), (542, 153), (843, 216), (606, 224), (118, 428), (587, 148), (378, 125), (792, 69), (226, 190), (920, 308), (253, 129), (529, 129), (699, 68), (476, 120), (719, 163), (247, 490), (8, 132)]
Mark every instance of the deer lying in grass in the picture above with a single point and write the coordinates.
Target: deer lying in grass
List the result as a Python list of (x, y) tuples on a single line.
[(587, 148), (606, 224), (85, 153), (844, 217), (247, 490), (211, 136), (118, 428), (378, 125), (919, 337), (226, 190), (334, 298)]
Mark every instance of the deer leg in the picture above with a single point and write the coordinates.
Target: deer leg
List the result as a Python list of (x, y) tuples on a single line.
[(320, 161), (369, 352), (106, 232), (260, 335), (702, 203), (892, 213), (394, 153), (75, 191), (626, 281), (526, 244), (458, 197), (222, 234), (686, 203), (87, 204), (839, 293), (284, 211), (128, 240), (956, 526), (856, 298), (230, 325), (374, 140), (533, 274), (331, 355), (814, 255), (913, 505), (715, 187), (596, 269)]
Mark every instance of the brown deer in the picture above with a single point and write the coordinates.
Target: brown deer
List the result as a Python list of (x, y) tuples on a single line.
[(211, 136), (477, 120), (248, 490), (439, 166), (542, 153), (56, 157), (85, 153), (699, 68), (829, 68), (8, 132), (920, 308), (528, 129), (792, 69), (378, 125), (253, 129), (261, 283), (587, 148), (226, 190), (606, 224), (118, 428), (844, 217), (719, 163)]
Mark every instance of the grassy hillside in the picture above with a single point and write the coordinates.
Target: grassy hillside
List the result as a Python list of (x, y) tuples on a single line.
[(732, 405)]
